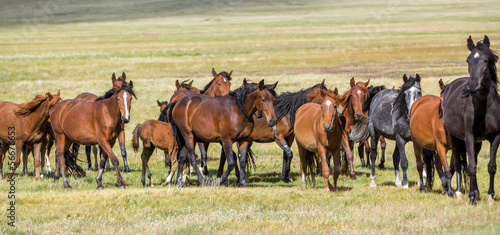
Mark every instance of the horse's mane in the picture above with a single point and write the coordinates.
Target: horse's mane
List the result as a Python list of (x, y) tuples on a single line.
[(400, 102), (223, 74), (241, 92), (493, 58), (184, 85), (344, 98), (372, 91), (31, 106), (287, 103), (112, 91), (164, 113)]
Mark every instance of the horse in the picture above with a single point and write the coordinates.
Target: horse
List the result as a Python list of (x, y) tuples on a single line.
[(318, 129), (154, 134), (285, 108), (372, 91), (353, 120), (389, 117), (89, 123), (89, 97), (226, 120), (428, 133), (470, 114), (24, 124)]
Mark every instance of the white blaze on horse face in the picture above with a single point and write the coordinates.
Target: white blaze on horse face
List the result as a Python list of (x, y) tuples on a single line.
[(224, 79), (413, 97), (125, 102), (359, 92), (328, 103), (476, 55)]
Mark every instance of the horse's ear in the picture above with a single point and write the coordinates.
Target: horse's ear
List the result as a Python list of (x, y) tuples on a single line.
[(189, 84), (58, 92), (441, 84), (273, 85), (417, 78), (124, 77), (405, 78), (366, 83), (245, 83), (113, 78), (470, 44), (49, 96), (353, 83), (158, 102), (229, 74), (177, 84), (214, 73), (261, 84), (486, 41), (336, 91), (131, 84), (322, 83)]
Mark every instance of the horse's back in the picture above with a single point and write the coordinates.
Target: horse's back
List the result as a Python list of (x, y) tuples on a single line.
[(159, 133), (426, 126), (380, 112), (304, 126), (74, 119), (87, 97), (7, 118), (454, 107)]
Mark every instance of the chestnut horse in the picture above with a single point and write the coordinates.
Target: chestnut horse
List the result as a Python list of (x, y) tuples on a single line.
[(318, 129), (470, 114), (27, 123), (226, 120), (89, 123)]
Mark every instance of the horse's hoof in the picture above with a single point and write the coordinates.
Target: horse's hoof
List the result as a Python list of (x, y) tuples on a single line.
[(100, 187), (122, 187), (381, 167), (152, 185), (372, 182), (303, 185), (287, 180), (66, 185), (127, 170), (405, 185), (344, 177), (398, 184), (243, 184), (353, 177), (491, 200), (459, 196)]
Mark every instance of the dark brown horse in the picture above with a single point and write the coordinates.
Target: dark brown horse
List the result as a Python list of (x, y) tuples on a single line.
[(470, 114), (226, 120), (27, 123), (90, 123), (318, 130)]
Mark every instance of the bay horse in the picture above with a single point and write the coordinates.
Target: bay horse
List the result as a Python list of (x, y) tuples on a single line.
[(318, 130), (28, 123), (226, 120), (285, 108), (470, 114), (89, 123), (154, 134), (390, 117), (354, 121), (428, 134), (89, 97)]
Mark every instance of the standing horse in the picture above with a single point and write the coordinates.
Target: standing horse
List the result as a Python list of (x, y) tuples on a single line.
[(372, 91), (89, 123), (27, 122), (318, 129), (428, 133), (470, 114), (226, 120), (390, 117)]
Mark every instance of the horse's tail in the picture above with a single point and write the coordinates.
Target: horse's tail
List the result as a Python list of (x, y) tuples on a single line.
[(177, 134), (250, 161), (135, 138), (70, 158), (429, 166), (312, 163)]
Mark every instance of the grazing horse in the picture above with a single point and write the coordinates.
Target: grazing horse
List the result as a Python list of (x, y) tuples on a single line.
[(318, 129), (89, 123), (154, 134), (27, 123), (226, 120), (428, 133), (354, 120), (89, 97), (390, 117), (285, 107), (470, 114)]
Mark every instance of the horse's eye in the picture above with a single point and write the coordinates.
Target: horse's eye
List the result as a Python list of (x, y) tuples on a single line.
[(262, 99)]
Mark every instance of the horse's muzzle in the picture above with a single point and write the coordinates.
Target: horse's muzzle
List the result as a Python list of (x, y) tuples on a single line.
[(358, 117), (271, 122), (125, 119), (327, 127)]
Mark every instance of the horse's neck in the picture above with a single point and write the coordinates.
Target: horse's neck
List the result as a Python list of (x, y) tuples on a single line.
[(250, 107), (210, 91), (39, 116), (111, 104)]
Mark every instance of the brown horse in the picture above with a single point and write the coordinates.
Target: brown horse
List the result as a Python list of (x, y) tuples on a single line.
[(354, 120), (428, 133), (318, 129), (154, 134), (226, 120), (90, 123), (26, 122)]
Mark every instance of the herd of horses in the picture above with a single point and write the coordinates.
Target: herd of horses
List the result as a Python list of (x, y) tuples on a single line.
[(324, 123)]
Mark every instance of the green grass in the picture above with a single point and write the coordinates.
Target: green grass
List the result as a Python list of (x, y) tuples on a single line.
[(296, 43)]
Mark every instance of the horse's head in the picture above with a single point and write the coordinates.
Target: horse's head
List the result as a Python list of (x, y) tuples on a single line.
[(314, 95), (264, 102), (482, 70), (220, 85), (162, 104), (124, 96), (185, 86), (53, 99), (358, 95), (118, 82), (329, 107), (411, 89)]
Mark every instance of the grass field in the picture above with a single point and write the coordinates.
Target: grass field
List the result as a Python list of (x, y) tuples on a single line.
[(75, 46)]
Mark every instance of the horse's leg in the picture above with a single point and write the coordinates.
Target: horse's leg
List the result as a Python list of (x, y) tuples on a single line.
[(222, 162), (102, 162), (471, 153), (190, 143), (348, 151), (336, 166), (26, 152), (203, 151), (367, 152), (47, 153), (404, 160), (62, 145), (242, 153), (417, 149), (121, 140), (42, 156), (303, 165), (344, 163), (36, 154), (181, 159), (173, 161), (285, 144), (227, 146), (373, 157), (457, 148), (17, 162), (396, 159), (88, 150), (492, 167), (106, 147), (362, 154), (146, 154), (5, 148), (325, 171), (96, 162), (441, 149), (383, 145)]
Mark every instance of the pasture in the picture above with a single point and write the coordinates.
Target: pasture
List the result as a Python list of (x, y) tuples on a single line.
[(75, 47)]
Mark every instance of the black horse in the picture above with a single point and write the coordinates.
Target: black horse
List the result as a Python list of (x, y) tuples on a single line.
[(471, 107), (389, 117)]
